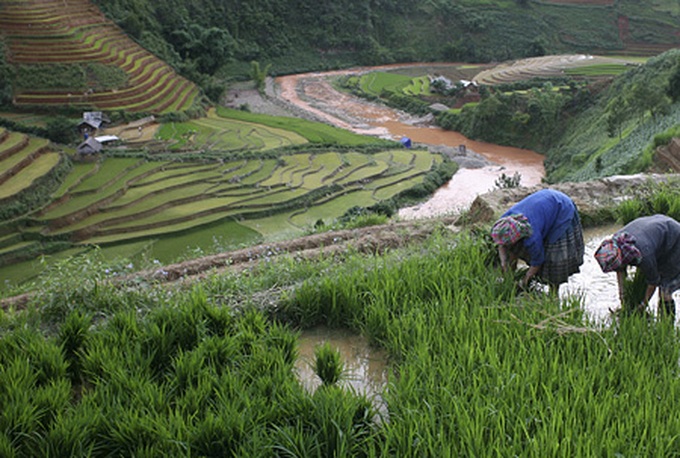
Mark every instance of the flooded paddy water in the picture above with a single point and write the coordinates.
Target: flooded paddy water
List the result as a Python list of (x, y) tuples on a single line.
[(365, 367)]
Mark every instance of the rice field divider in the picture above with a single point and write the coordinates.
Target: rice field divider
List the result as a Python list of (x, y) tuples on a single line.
[(99, 223), (165, 179), (383, 191), (141, 196), (176, 98), (211, 202), (188, 213), (141, 208), (85, 203), (110, 172), (126, 237), (13, 165), (113, 200), (12, 143), (159, 172), (36, 169), (79, 172), (362, 172)]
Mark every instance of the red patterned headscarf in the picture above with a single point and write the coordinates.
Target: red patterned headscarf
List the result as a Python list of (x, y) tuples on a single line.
[(618, 251), (510, 229)]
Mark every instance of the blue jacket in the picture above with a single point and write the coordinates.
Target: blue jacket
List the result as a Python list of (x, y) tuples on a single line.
[(550, 213)]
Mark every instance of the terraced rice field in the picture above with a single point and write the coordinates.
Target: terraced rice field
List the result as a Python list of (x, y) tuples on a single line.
[(164, 209), (126, 199), (226, 135), (23, 160), (44, 32), (376, 83), (547, 66)]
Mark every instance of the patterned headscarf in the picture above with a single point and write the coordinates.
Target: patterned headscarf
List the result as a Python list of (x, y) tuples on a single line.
[(510, 229), (618, 251)]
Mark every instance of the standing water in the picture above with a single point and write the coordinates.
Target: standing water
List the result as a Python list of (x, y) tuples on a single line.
[(365, 367), (599, 291)]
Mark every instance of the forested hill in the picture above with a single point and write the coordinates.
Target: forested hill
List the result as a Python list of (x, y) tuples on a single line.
[(207, 37)]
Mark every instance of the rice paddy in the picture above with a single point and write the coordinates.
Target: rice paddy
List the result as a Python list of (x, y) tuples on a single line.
[(473, 368), (120, 201)]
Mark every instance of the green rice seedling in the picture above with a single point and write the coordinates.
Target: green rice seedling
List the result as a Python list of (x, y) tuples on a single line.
[(342, 421), (73, 335), (634, 293), (22, 417), (218, 434), (44, 357), (7, 448), (73, 432), (295, 441), (285, 341), (188, 370), (168, 331), (328, 364), (130, 431), (628, 210), (660, 201)]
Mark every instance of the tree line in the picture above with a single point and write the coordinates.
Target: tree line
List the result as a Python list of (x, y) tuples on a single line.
[(218, 37)]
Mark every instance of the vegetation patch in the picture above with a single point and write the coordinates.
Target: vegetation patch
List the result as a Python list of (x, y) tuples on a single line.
[(75, 77), (313, 132), (127, 200), (451, 323)]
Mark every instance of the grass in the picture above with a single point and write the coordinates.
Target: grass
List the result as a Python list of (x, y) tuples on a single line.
[(36, 169), (477, 370), (314, 132), (598, 70)]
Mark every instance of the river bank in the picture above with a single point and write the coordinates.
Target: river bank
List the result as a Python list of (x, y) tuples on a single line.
[(313, 97)]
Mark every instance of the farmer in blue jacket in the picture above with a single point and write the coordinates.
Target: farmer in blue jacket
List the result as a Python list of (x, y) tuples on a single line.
[(652, 244), (544, 230)]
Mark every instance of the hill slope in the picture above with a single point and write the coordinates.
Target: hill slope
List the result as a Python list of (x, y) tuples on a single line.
[(67, 54)]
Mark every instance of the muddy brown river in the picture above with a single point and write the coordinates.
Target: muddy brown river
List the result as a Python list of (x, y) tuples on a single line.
[(314, 93)]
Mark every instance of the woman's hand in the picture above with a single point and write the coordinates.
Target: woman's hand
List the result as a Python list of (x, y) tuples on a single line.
[(503, 254)]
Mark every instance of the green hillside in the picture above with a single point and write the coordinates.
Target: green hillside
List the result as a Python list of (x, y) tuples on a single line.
[(297, 36)]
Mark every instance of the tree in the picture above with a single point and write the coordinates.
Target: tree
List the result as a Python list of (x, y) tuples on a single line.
[(6, 77), (61, 130), (208, 47), (649, 96), (259, 75), (617, 113), (674, 84)]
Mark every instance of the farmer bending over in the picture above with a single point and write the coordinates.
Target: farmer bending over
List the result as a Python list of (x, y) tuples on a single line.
[(652, 243), (544, 230)]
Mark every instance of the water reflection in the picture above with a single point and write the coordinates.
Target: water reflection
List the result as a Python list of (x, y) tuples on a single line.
[(365, 366), (598, 290)]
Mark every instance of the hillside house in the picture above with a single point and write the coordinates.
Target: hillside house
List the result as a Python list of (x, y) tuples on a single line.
[(92, 121), (89, 147)]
